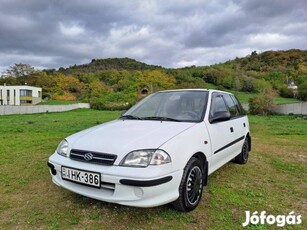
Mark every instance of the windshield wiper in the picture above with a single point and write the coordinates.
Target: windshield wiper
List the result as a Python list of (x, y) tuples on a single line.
[(132, 117), (160, 118)]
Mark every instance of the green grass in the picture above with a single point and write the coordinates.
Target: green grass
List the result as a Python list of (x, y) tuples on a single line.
[(55, 102), (283, 100), (274, 180), (244, 97), (210, 86)]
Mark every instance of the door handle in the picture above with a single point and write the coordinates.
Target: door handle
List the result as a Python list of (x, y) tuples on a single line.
[(231, 129)]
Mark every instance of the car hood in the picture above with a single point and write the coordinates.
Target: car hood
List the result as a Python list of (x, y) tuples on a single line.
[(123, 136)]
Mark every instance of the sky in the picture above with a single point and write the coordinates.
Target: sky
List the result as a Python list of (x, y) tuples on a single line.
[(171, 33)]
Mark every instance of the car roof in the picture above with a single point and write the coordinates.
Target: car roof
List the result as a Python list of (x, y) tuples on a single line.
[(204, 90)]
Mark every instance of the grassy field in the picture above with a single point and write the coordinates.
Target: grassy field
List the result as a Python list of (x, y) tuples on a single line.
[(56, 102), (274, 180)]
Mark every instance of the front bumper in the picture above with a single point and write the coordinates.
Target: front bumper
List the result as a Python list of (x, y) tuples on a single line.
[(138, 187)]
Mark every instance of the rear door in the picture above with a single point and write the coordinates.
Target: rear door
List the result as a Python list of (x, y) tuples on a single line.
[(239, 119)]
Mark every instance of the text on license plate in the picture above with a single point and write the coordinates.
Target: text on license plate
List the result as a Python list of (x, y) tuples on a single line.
[(81, 176)]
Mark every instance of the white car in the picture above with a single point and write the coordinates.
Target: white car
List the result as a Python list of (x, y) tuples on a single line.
[(159, 151)]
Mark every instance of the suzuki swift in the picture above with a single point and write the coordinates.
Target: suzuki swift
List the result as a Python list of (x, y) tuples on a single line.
[(160, 151)]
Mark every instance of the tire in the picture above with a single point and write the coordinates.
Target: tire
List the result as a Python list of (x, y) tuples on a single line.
[(191, 186), (242, 158)]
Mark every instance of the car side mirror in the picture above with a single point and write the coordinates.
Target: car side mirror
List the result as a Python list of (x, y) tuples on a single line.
[(220, 116)]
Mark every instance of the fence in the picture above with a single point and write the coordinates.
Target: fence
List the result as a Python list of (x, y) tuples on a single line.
[(29, 109), (293, 108)]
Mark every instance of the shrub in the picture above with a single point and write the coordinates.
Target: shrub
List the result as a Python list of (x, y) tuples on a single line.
[(64, 96), (302, 91), (100, 104), (248, 84), (220, 87), (261, 104), (286, 92), (227, 81), (261, 85)]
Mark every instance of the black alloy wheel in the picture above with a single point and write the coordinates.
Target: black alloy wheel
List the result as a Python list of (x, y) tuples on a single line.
[(191, 186)]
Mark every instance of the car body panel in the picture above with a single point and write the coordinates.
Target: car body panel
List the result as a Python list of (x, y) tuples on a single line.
[(123, 136)]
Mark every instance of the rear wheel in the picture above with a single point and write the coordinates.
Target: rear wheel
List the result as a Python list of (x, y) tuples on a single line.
[(191, 186), (242, 158)]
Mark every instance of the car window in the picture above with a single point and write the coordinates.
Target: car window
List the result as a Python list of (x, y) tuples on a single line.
[(239, 106), (151, 107), (176, 105), (233, 109), (218, 104)]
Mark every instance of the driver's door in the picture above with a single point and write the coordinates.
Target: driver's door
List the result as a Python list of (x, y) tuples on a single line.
[(222, 134)]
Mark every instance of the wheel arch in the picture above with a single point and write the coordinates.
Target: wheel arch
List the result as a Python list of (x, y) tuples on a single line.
[(202, 157)]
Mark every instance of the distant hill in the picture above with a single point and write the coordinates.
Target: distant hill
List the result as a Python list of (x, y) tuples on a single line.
[(112, 83), (110, 64), (267, 61), (272, 60)]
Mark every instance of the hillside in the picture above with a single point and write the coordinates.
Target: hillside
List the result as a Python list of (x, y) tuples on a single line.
[(263, 62), (272, 60), (109, 64), (270, 71), (117, 83)]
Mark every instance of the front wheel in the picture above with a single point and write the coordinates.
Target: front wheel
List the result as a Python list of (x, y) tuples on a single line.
[(191, 186)]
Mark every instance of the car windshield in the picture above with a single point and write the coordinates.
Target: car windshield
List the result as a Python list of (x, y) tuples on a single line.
[(178, 106)]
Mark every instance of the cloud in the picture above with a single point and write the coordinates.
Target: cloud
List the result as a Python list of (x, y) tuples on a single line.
[(175, 33), (70, 30)]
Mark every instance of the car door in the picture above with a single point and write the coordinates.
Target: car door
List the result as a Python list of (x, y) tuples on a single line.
[(239, 120), (221, 133)]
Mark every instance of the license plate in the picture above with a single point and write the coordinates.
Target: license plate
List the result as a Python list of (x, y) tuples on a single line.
[(81, 176)]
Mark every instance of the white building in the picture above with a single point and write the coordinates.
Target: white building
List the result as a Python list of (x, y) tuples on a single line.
[(20, 95)]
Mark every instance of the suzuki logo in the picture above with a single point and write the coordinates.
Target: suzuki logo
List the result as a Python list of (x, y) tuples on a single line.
[(88, 156)]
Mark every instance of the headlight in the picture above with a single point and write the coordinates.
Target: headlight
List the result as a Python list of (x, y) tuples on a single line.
[(63, 148), (143, 158)]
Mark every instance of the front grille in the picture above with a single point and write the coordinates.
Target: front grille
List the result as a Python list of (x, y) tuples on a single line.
[(95, 157)]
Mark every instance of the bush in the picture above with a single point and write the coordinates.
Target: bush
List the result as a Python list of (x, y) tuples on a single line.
[(97, 103), (261, 105), (302, 91), (286, 92), (220, 87), (261, 85), (248, 84), (102, 105), (227, 81), (64, 96), (113, 101)]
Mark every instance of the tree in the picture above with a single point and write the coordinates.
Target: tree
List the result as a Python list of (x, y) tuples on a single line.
[(254, 53), (19, 70), (155, 80), (68, 83)]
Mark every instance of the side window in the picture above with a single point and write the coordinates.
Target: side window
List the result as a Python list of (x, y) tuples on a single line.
[(233, 109), (218, 104), (239, 106)]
